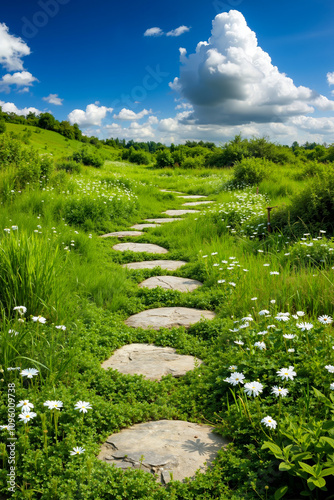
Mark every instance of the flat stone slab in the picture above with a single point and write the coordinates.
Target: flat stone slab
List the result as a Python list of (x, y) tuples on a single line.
[(192, 196), (195, 203), (151, 361), (139, 247), (162, 221), (122, 234), (170, 191), (167, 317), (169, 265), (164, 447), (180, 212), (144, 226), (171, 283)]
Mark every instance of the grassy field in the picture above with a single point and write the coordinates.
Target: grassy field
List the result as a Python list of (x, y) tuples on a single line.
[(267, 378)]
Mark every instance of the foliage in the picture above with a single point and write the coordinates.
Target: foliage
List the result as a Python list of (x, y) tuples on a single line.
[(87, 157), (251, 171)]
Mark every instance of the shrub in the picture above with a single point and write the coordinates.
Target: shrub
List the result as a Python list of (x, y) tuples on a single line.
[(140, 157), (70, 166), (251, 171), (164, 159), (88, 157), (2, 126)]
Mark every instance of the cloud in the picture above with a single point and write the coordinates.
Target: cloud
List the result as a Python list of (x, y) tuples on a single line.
[(128, 114), (136, 131), (178, 31), (330, 78), (20, 79), (154, 32), (230, 80), (12, 49), (53, 99), (92, 116), (10, 107)]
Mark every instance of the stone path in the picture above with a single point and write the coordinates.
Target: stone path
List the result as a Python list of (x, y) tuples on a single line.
[(195, 203), (151, 361), (144, 226), (168, 317), (169, 265), (180, 212), (122, 234), (139, 247), (164, 447), (171, 283), (170, 191), (162, 221), (192, 196)]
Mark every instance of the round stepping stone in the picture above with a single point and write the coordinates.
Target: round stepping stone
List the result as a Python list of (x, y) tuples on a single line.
[(180, 212), (163, 447), (144, 226), (169, 265), (139, 247), (192, 196), (162, 221), (151, 361), (167, 317), (195, 203), (171, 283), (122, 234)]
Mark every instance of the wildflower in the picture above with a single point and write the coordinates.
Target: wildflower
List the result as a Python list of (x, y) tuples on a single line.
[(29, 372), (39, 319), (269, 422), (291, 350), (332, 386), (282, 318), (289, 336), (221, 281), (300, 313), (253, 388), (274, 273), (234, 330), (235, 378), (266, 265), (244, 325), (26, 416), (254, 298), (247, 318), (20, 309), (330, 368), (25, 405), (287, 373), (214, 253), (322, 231), (271, 326), (325, 320), (3, 427), (77, 450), (53, 405), (263, 312), (7, 230), (82, 406), (204, 256), (273, 301), (232, 367), (13, 332), (262, 333), (61, 327), (279, 391), (260, 251), (239, 342), (260, 345), (231, 283), (14, 228), (304, 326)]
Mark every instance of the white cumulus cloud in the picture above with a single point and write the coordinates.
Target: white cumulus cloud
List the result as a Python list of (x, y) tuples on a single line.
[(330, 78), (154, 32), (20, 79), (230, 80), (178, 31), (12, 49), (53, 99), (10, 107), (128, 114), (93, 115)]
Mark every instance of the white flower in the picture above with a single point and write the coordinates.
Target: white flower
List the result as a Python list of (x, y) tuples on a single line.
[(291, 350), (279, 391), (234, 330), (289, 336), (260, 345), (244, 325), (253, 388), (61, 327), (25, 405), (29, 372), (26, 416), (304, 326), (39, 319), (247, 318), (330, 368), (266, 265), (282, 318), (254, 298), (271, 326), (276, 273), (287, 373), (204, 256), (7, 230), (332, 386), (273, 301), (231, 283), (239, 342), (20, 309), (221, 281), (263, 312), (300, 313), (232, 367), (3, 427), (235, 378), (325, 320), (53, 405), (269, 422), (77, 450), (82, 406), (262, 333), (13, 332), (214, 253), (15, 228)]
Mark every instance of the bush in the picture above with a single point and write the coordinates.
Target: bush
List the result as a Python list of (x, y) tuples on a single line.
[(251, 171), (70, 166), (164, 159), (196, 162), (88, 157), (2, 126), (140, 157)]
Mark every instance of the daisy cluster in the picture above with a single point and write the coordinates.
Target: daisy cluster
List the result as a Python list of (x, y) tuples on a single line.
[(315, 251)]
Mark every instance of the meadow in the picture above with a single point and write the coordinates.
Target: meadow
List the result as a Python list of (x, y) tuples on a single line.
[(267, 380)]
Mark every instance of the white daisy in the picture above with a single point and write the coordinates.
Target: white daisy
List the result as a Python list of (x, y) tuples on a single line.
[(53, 405), (25, 405), (26, 416), (260, 345), (287, 373), (330, 368), (279, 391), (83, 406), (29, 372), (77, 450), (253, 388), (304, 326), (269, 422), (325, 320)]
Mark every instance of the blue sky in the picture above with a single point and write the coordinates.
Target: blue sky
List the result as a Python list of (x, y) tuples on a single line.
[(266, 69)]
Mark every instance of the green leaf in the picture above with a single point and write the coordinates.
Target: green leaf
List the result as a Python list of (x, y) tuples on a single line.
[(328, 440), (327, 472), (319, 394), (280, 492), (319, 482), (307, 468), (284, 466), (276, 450), (328, 425)]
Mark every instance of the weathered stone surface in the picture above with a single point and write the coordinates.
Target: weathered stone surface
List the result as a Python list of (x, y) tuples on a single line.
[(139, 247), (144, 226), (171, 283), (151, 361), (195, 203), (169, 265), (162, 221), (122, 234), (192, 196), (180, 212), (167, 317), (164, 447), (170, 191)]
